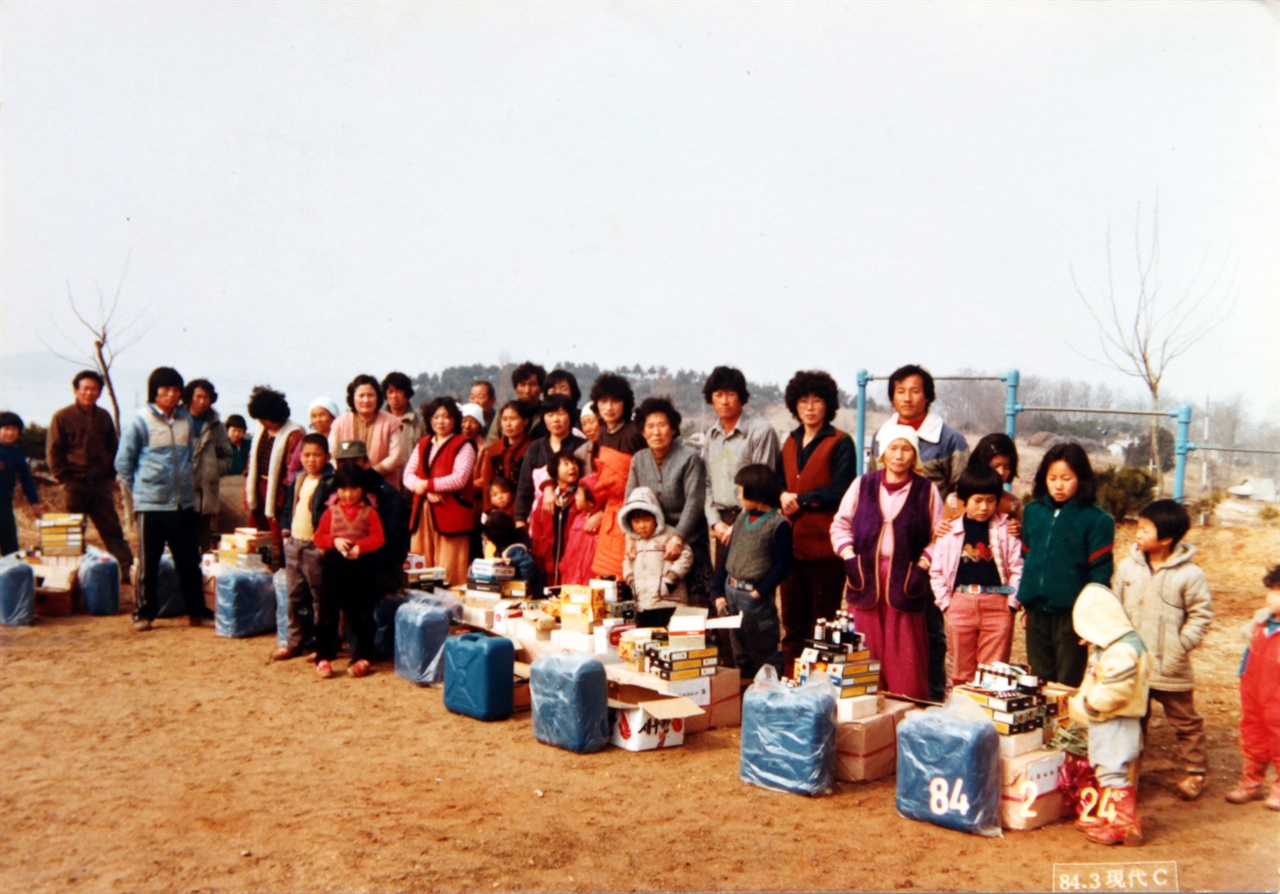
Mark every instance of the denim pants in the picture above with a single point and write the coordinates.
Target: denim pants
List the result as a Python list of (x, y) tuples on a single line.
[(755, 643)]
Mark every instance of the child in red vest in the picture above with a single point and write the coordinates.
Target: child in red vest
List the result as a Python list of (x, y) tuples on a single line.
[(1260, 701), (350, 534)]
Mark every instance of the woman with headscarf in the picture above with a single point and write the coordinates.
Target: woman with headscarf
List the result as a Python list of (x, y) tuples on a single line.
[(882, 531)]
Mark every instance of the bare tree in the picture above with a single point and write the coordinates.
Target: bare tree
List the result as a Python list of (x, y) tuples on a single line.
[(1140, 332), (110, 336)]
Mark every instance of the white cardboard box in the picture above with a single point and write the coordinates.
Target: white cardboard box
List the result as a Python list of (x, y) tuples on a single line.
[(644, 720)]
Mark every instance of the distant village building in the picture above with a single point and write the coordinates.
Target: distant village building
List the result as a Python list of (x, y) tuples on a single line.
[(1262, 490)]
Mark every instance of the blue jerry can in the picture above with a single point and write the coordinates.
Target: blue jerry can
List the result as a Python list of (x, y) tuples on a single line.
[(570, 696), (479, 674)]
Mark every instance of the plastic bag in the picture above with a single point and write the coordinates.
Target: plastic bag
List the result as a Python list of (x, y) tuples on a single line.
[(99, 578), (442, 598), (281, 583), (949, 767), (420, 632), (789, 735), (168, 591), (246, 603), (17, 593), (570, 698)]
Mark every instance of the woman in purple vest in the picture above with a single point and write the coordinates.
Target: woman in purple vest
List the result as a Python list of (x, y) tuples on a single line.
[(882, 532)]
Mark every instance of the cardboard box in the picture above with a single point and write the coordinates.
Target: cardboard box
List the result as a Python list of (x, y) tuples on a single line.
[(477, 617), (849, 709), (579, 625), (722, 701), (521, 697), (1029, 793), (644, 720), (719, 696), (867, 749), (1022, 743), (572, 641)]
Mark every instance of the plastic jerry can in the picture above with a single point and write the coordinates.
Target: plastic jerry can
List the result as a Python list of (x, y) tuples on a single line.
[(421, 631), (789, 738), (99, 579), (479, 674), (246, 603), (570, 701), (17, 593)]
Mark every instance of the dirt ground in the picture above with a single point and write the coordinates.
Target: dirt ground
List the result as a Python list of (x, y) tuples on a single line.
[(180, 761)]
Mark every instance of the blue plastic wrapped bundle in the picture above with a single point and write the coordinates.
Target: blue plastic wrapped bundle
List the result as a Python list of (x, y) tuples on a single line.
[(421, 630), (384, 626), (169, 601), (949, 767), (789, 735), (443, 598), (17, 593), (570, 701), (99, 579), (479, 676), (246, 603), (281, 583)]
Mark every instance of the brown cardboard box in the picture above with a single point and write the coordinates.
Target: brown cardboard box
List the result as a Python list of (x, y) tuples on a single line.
[(724, 704), (1029, 793), (866, 749)]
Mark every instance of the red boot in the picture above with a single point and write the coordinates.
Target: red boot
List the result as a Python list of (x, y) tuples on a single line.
[(1273, 803), (1119, 811), (1249, 788)]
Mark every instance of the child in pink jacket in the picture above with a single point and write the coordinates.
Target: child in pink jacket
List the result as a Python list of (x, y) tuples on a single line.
[(977, 565)]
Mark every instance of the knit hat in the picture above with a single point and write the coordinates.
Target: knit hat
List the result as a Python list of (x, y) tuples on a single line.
[(351, 450), (642, 499), (473, 411), (325, 404), (891, 433), (7, 419)]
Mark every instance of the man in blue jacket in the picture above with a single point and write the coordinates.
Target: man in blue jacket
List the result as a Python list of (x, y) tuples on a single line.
[(154, 460)]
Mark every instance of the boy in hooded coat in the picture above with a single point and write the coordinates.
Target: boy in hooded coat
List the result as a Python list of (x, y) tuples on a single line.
[(1112, 701)]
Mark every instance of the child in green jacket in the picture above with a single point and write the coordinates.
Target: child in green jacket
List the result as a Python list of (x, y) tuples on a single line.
[(1068, 541)]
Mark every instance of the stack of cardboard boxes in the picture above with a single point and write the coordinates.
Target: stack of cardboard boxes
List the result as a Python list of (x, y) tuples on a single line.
[(61, 534), (234, 548), (1024, 709), (60, 553)]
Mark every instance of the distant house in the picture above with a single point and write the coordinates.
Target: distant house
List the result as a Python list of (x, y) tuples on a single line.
[(1261, 489)]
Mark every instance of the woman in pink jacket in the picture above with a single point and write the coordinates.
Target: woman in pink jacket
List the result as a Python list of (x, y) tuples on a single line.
[(977, 565), (379, 430)]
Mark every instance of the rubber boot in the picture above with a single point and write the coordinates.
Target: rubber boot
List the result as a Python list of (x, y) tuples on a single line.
[(1125, 827), (1249, 788), (1273, 803)]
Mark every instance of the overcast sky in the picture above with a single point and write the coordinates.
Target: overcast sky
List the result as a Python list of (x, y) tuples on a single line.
[(305, 191)]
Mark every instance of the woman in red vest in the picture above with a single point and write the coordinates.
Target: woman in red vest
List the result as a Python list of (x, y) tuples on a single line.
[(439, 474), (817, 465)]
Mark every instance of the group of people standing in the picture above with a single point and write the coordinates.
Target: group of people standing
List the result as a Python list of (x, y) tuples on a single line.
[(564, 470)]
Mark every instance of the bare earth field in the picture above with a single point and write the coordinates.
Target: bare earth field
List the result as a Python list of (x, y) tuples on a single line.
[(180, 761)]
